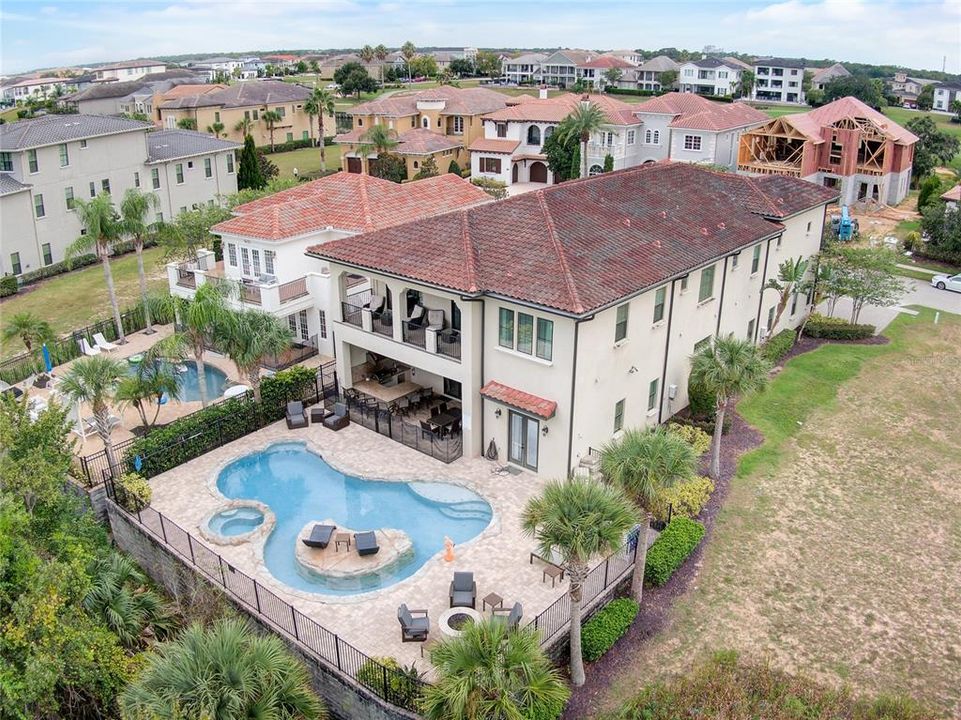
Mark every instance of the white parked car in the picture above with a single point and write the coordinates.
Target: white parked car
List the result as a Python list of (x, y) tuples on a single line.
[(947, 282)]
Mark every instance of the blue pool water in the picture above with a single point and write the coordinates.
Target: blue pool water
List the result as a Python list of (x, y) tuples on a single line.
[(236, 521), (299, 487), (186, 373)]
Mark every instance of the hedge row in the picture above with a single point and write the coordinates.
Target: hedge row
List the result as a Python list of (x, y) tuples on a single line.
[(287, 146), (778, 346), (671, 549), (832, 328), (8, 285), (599, 634), (632, 91), (687, 498)]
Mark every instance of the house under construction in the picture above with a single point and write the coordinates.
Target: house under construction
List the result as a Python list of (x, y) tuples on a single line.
[(844, 144)]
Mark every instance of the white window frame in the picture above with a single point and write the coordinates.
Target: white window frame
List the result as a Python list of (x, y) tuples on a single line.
[(692, 143)]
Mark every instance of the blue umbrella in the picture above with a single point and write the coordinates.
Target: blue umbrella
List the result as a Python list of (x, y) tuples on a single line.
[(47, 362)]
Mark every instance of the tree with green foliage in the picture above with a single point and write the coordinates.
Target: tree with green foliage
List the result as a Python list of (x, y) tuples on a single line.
[(32, 330), (378, 140), (315, 69), (789, 281), (644, 463), (727, 368), (928, 191), (462, 67), (608, 163), (103, 229), (454, 168), (122, 599), (152, 380), (248, 338), (612, 76), (134, 208), (487, 63), (955, 107), (585, 120), (408, 51), (354, 79), (190, 232), (667, 79), (942, 226), (216, 129), (244, 126), (428, 168), (94, 380), (249, 195), (301, 67), (381, 52), (859, 86), (366, 54), (423, 66), (187, 123), (575, 520), (226, 672), (249, 175), (745, 84), (563, 155), (926, 98), (320, 104), (271, 118), (493, 672), (933, 148)]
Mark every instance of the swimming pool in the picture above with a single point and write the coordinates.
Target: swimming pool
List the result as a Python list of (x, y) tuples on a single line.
[(186, 374), (236, 521), (300, 487)]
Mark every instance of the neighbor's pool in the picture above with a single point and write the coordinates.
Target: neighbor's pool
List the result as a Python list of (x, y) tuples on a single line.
[(299, 487), (186, 373)]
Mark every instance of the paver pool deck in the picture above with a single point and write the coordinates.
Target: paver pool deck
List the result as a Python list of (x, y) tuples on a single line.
[(499, 557)]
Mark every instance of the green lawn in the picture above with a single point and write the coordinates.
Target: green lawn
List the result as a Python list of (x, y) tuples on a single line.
[(79, 298), (305, 160), (9, 115)]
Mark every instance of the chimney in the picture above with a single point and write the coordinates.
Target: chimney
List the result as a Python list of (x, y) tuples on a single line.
[(542, 92)]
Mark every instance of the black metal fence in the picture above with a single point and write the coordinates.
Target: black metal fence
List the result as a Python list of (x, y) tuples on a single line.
[(446, 448), (299, 351), (392, 685)]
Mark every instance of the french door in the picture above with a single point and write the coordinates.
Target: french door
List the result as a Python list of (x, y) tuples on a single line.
[(522, 443)]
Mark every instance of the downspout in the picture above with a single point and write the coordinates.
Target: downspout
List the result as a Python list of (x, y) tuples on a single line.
[(570, 427), (667, 348), (720, 305), (760, 297)]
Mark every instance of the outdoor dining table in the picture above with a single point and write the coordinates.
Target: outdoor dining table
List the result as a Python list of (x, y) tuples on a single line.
[(444, 419)]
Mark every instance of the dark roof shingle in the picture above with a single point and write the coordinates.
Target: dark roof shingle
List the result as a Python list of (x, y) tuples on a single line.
[(163, 145), (53, 129)]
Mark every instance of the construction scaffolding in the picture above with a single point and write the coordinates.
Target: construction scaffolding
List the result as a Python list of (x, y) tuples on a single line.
[(776, 148)]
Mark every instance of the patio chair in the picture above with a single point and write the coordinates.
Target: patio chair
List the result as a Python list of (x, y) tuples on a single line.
[(296, 415), (510, 616), (320, 536), (86, 349), (463, 590), (376, 305), (417, 317), (435, 411), (414, 624), (103, 343), (339, 419), (426, 432), (435, 320), (366, 543)]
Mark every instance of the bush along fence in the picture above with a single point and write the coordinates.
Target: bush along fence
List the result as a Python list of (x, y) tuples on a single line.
[(832, 328), (67, 347), (671, 549), (194, 435)]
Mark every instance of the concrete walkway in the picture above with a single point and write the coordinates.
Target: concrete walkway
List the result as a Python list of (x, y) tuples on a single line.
[(918, 293)]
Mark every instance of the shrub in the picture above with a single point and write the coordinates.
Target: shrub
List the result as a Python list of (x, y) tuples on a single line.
[(288, 146), (671, 549), (402, 684), (778, 346), (8, 285), (134, 492), (687, 498), (495, 188), (702, 404), (929, 189), (832, 328), (454, 168), (606, 627), (913, 242), (294, 383), (695, 437)]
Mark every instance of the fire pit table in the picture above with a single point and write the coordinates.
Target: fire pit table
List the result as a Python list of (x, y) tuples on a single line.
[(453, 621)]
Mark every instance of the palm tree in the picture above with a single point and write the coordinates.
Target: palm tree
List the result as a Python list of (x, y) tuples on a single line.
[(250, 336), (378, 139), (585, 120), (315, 69), (271, 117), (320, 103), (228, 672), (244, 126), (133, 219), (150, 383), (578, 519), (493, 673), (790, 275), (645, 463), (94, 380), (121, 598), (381, 54), (727, 368), (409, 51), (216, 129), (102, 223), (32, 330), (367, 54)]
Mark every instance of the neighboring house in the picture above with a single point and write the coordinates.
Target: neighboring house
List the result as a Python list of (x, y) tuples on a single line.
[(523, 69), (132, 96), (709, 76), (559, 69), (441, 122), (55, 160), (225, 65), (952, 197), (330, 65), (592, 71), (648, 73), (844, 145), (39, 88), (691, 128), (511, 149), (283, 61), (632, 56), (779, 80), (130, 70), (946, 94), (248, 100), (906, 89), (264, 244), (564, 316), (822, 76)]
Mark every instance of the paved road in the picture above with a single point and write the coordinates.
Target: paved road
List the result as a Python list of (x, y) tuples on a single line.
[(919, 293)]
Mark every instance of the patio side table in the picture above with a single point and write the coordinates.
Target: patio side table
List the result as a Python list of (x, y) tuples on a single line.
[(553, 572), (339, 538), (317, 414), (492, 599)]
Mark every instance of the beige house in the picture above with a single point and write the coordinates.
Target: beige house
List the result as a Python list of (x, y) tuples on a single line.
[(560, 317), (248, 100), (129, 70)]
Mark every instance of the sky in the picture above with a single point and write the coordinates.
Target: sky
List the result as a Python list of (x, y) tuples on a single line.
[(910, 33)]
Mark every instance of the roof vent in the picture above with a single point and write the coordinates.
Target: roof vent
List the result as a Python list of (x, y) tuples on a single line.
[(704, 231), (721, 226), (664, 214)]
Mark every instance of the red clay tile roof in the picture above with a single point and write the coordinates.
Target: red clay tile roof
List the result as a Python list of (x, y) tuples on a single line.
[(555, 109), (351, 202), (603, 62), (519, 399), (459, 101), (954, 194), (420, 141), (492, 145), (585, 244), (693, 112), (810, 123)]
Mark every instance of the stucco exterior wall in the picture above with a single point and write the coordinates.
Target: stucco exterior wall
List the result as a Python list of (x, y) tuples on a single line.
[(18, 232)]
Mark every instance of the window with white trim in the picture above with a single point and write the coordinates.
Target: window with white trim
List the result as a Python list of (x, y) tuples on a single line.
[(323, 325), (631, 135), (652, 394), (232, 254), (269, 256), (255, 256), (620, 322), (619, 415), (692, 142), (245, 260)]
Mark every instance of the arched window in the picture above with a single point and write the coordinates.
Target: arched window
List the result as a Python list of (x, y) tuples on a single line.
[(548, 131), (533, 135), (595, 170), (657, 137), (647, 137), (425, 123)]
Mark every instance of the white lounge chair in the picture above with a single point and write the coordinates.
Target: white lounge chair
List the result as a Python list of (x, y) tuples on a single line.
[(103, 343), (86, 349)]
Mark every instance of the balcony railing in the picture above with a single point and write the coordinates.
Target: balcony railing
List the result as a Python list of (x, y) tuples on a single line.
[(293, 290), (353, 314), (383, 324), (186, 278), (448, 343), (414, 334), (250, 294)]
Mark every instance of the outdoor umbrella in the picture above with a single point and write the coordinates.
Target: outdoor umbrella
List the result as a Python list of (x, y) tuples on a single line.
[(47, 362)]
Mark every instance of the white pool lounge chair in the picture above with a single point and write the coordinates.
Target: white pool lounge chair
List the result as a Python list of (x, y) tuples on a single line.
[(103, 343), (86, 349)]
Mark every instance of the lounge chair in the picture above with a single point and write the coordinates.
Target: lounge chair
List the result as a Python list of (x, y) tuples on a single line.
[(103, 343), (417, 317), (463, 590), (414, 624), (510, 616), (435, 320), (296, 415), (339, 419), (86, 349), (366, 543), (320, 536), (376, 305)]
